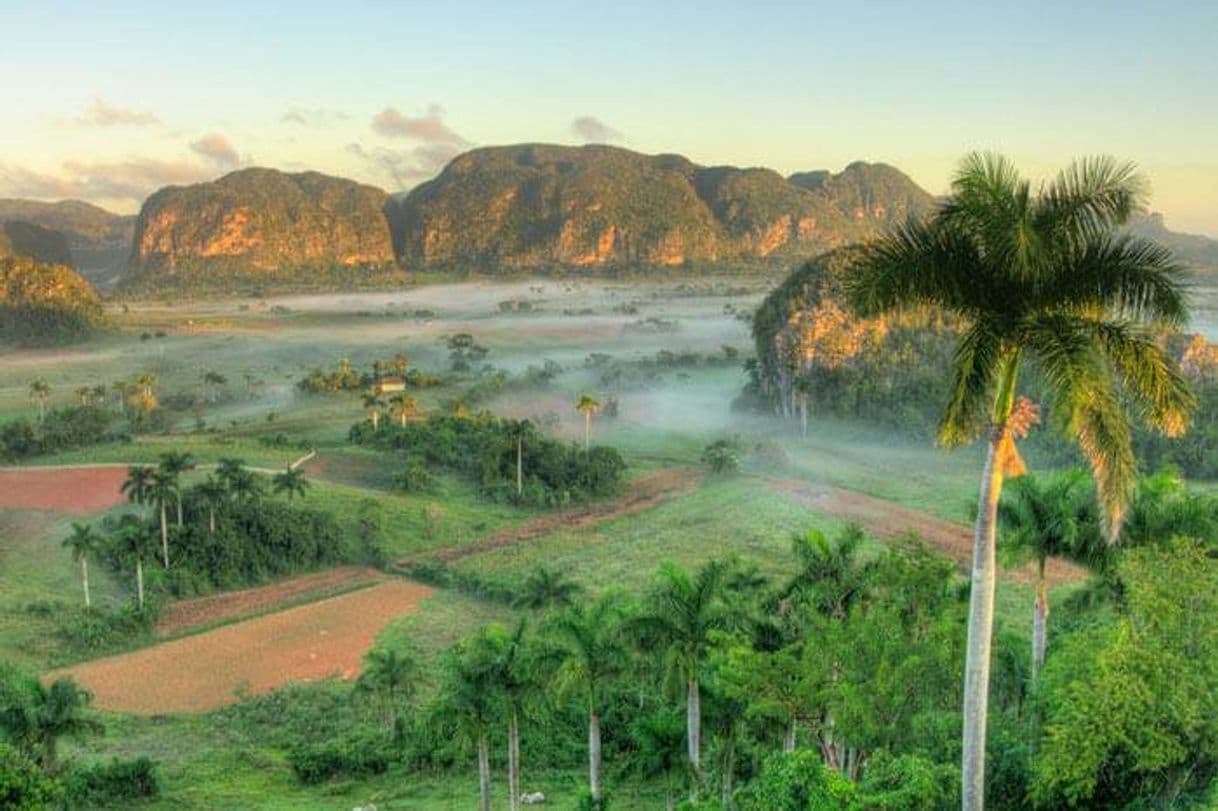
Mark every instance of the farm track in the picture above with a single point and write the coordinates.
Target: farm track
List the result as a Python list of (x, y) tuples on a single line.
[(887, 520), (647, 491), (214, 609)]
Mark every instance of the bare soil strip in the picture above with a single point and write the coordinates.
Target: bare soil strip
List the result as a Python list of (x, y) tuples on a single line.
[(217, 608), (201, 672), (643, 493), (886, 520), (72, 490)]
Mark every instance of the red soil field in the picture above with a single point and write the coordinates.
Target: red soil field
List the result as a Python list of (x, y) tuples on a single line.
[(73, 490), (201, 672), (884, 519), (217, 608)]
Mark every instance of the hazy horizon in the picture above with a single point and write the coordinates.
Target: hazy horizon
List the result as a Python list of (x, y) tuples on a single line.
[(121, 104)]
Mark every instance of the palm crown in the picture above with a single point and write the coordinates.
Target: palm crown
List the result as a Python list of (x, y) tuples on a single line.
[(1044, 276)]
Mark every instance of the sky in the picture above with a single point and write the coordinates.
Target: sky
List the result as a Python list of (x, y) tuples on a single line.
[(109, 101)]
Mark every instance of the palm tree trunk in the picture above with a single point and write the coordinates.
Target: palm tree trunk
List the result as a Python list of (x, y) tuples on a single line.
[(484, 773), (139, 583), (587, 430), (693, 734), (1040, 617), (179, 497), (594, 757), (84, 578), (980, 630), (803, 415), (788, 741), (729, 770), (164, 536), (514, 760), (211, 518), (519, 466)]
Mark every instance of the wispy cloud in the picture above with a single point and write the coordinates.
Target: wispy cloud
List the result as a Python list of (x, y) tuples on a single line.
[(125, 180), (429, 127), (405, 167), (312, 118), (217, 149), (101, 114), (592, 130)]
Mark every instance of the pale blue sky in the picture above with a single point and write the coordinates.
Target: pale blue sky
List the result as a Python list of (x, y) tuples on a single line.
[(106, 103)]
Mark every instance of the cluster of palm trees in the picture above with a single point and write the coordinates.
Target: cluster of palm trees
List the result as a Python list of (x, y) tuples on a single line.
[(1037, 276), (402, 408), (139, 391), (159, 488)]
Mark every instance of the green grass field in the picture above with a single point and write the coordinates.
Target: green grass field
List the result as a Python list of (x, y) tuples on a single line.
[(663, 423)]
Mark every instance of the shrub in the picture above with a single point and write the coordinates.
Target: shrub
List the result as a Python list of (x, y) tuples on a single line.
[(104, 784), (356, 757), (23, 785)]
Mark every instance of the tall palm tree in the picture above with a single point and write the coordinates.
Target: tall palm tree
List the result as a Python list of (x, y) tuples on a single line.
[(37, 716), (392, 678), (122, 389), (467, 697), (40, 392), (161, 490), (372, 408), (245, 486), (831, 577), (1035, 275), (212, 491), (520, 431), (591, 652), (545, 587), (403, 408), (84, 543), (510, 674), (229, 470), (138, 483), (175, 463), (291, 483), (682, 613), (132, 539), (587, 405), (1039, 519)]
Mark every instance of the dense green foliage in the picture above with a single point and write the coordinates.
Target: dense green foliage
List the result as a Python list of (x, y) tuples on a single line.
[(45, 304), (23, 785), (104, 785), (63, 428), (484, 449)]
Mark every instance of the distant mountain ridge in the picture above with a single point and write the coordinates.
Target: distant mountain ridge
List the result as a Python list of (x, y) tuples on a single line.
[(99, 241), (538, 206), (494, 210)]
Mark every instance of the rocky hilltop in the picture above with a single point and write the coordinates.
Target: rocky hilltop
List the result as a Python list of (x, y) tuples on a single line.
[(259, 223), (535, 206), (44, 304), (98, 240), (20, 238)]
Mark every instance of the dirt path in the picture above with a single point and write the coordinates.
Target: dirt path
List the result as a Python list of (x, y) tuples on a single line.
[(884, 519), (201, 672), (217, 608), (643, 493)]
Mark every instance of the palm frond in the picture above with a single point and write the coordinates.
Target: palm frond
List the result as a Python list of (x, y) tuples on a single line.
[(974, 369), (1090, 197), (1126, 276), (914, 265), (1085, 399), (1149, 375)]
